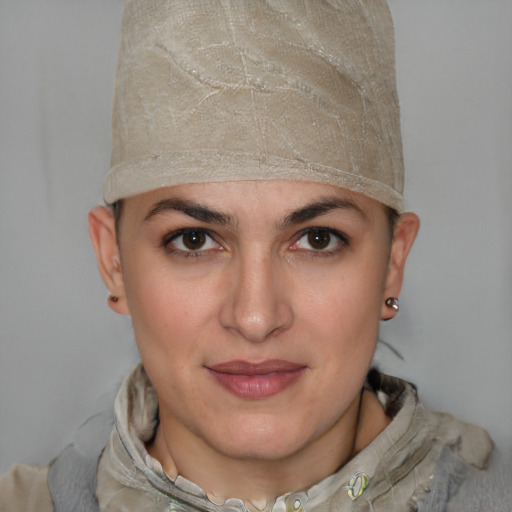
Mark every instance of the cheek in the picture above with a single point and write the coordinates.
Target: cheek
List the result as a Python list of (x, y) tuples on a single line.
[(349, 294), (167, 322), (166, 309), (340, 311)]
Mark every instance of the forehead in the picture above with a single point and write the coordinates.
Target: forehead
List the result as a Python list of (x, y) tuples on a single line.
[(265, 197)]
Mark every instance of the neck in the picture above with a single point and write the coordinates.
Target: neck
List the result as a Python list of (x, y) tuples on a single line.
[(261, 481)]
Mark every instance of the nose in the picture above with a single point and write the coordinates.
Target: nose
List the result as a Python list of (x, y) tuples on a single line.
[(258, 305)]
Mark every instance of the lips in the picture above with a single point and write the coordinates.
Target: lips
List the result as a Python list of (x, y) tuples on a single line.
[(256, 381)]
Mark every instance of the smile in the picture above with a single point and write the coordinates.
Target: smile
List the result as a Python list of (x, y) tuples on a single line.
[(256, 381)]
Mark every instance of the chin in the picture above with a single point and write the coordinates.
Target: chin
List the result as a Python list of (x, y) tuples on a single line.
[(256, 451), (260, 443)]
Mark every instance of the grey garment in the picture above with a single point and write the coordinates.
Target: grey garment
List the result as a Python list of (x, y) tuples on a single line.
[(72, 475), (455, 487), (458, 487), (72, 482)]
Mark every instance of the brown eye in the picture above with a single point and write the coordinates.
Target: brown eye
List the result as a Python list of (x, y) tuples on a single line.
[(191, 240), (319, 239), (194, 240)]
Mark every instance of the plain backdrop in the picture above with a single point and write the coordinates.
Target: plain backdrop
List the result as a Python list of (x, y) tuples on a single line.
[(62, 349)]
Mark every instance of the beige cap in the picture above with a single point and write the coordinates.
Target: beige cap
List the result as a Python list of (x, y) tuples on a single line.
[(226, 90)]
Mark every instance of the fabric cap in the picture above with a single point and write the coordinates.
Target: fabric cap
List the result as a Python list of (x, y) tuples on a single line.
[(224, 90)]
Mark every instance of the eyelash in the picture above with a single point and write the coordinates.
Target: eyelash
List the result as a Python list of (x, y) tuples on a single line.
[(167, 243), (342, 239)]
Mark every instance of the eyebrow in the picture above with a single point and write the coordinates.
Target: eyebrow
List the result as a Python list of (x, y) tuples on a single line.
[(321, 207), (194, 210), (209, 215)]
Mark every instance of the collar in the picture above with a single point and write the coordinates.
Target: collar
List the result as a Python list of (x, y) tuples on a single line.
[(409, 441)]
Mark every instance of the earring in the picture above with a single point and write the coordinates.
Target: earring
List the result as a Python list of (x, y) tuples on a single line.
[(113, 298), (392, 302)]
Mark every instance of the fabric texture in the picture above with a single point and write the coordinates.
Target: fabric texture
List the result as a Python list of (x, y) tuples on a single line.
[(221, 90), (25, 489), (423, 461), (459, 487)]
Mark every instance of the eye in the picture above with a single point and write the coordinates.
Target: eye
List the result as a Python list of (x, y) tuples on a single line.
[(320, 239), (190, 240)]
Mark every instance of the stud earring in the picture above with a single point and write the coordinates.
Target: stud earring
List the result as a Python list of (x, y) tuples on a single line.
[(392, 302), (113, 298)]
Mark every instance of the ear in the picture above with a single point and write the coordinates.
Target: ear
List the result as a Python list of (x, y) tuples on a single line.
[(103, 236), (404, 235)]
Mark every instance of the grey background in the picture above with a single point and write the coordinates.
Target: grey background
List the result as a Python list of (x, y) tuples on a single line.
[(62, 349)]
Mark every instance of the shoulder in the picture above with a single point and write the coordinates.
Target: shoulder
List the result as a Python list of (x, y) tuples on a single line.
[(433, 459), (490, 489), (458, 486), (471, 443), (399, 398), (68, 482), (25, 489), (468, 476)]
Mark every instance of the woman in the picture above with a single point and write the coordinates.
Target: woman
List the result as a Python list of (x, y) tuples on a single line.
[(255, 240)]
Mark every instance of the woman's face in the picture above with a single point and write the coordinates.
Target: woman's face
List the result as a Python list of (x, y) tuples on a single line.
[(256, 306)]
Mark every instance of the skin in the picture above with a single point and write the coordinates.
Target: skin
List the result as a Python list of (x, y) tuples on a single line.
[(257, 290)]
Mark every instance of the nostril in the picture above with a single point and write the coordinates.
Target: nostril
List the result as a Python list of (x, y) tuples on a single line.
[(259, 326)]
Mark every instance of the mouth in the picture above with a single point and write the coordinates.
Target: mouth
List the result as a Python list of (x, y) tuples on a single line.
[(257, 381)]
